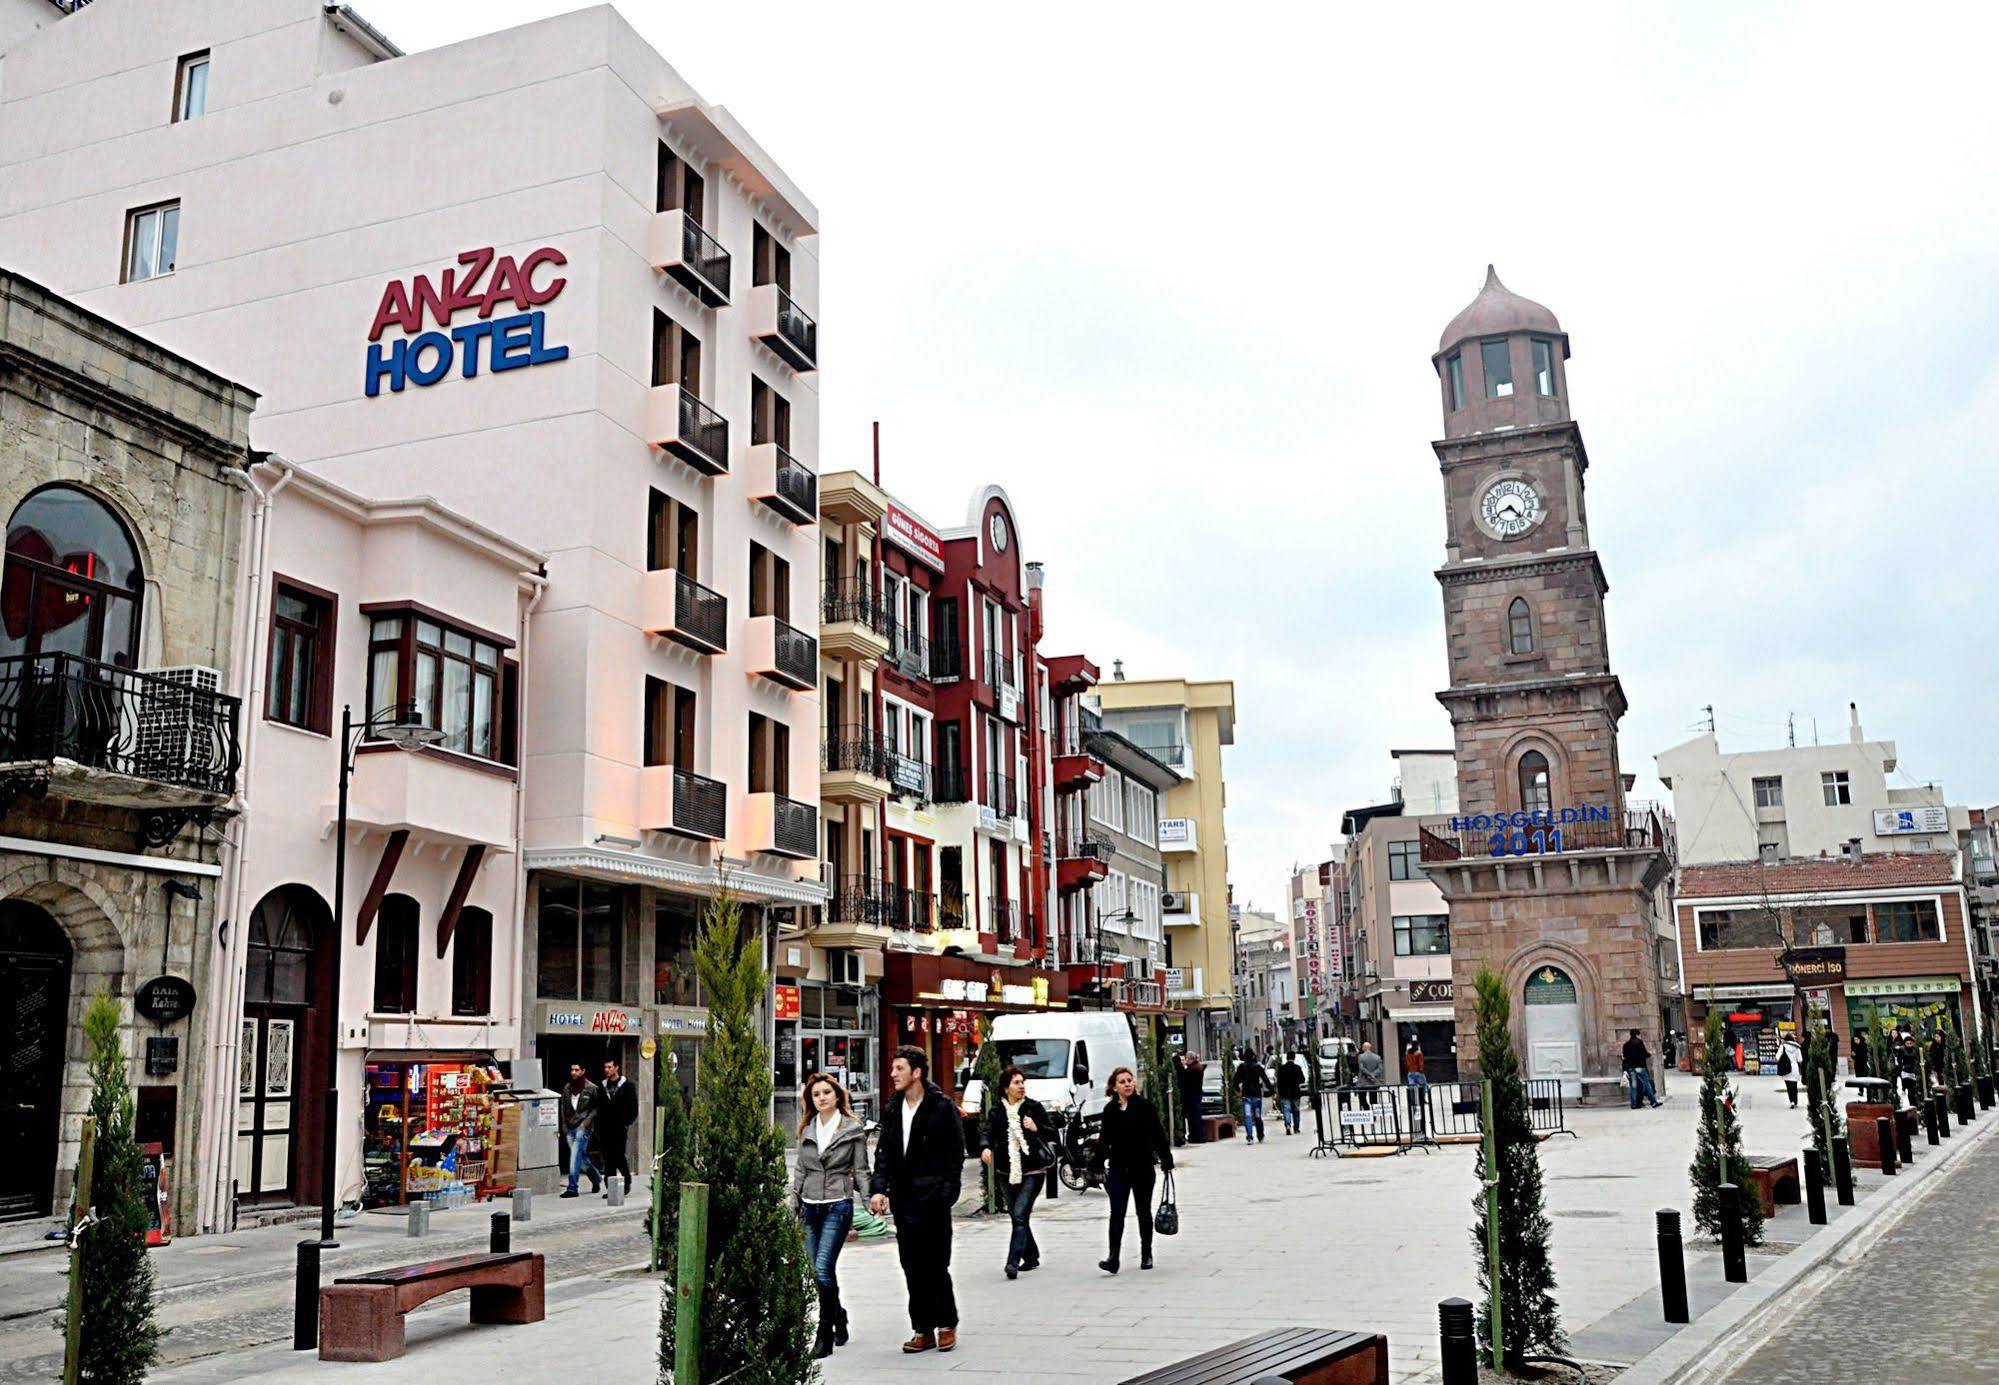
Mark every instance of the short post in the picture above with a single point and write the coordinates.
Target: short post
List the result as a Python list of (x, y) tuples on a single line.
[(305, 1297), (1884, 1135), (419, 1220), (1930, 1122), (614, 1191), (1905, 1142), (656, 1228), (1943, 1113), (1457, 1335), (1672, 1267), (1734, 1266), (693, 1282), (1814, 1188), (1984, 1087), (1842, 1170), (1967, 1108), (501, 1241), (524, 1205), (79, 1213)]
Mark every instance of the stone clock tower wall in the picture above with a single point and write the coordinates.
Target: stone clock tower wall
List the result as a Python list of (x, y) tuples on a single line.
[(1577, 930)]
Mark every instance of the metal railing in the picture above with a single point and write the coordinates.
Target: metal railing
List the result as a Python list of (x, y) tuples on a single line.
[(951, 909), (703, 254), (851, 599), (947, 659), (795, 653), (800, 332), (699, 613), (797, 488), (1074, 846), (146, 725), (855, 750), (1005, 918), (999, 794), (910, 651), (1419, 1115), (857, 899), (701, 805), (999, 670), (950, 784), (1172, 753), (912, 910), (1542, 835), (704, 431), (794, 826)]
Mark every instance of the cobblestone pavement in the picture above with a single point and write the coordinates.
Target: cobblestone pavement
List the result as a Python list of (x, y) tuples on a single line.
[(1920, 1303)]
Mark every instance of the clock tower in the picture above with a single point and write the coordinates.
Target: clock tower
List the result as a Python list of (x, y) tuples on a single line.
[(1551, 880)]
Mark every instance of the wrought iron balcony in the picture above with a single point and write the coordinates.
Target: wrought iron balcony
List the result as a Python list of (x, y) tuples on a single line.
[(912, 910), (780, 324), (951, 909), (855, 750), (947, 659), (1502, 840), (851, 600), (910, 651), (156, 727), (999, 794), (950, 784), (1005, 918), (858, 899), (783, 653)]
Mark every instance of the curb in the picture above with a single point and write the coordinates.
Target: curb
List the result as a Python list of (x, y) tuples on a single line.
[(1736, 1326)]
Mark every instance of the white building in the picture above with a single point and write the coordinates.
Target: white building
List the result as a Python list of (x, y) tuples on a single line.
[(1801, 801)]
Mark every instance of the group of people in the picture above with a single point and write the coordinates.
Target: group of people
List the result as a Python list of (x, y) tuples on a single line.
[(918, 1174), (601, 1113), (1253, 1083)]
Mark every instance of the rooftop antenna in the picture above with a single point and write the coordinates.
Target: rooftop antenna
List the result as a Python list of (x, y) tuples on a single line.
[(878, 452), (1709, 709), (1791, 721)]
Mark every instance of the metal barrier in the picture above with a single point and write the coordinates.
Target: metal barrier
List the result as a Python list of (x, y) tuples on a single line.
[(1418, 1116)]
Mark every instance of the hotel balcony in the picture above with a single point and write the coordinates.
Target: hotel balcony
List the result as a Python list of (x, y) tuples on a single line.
[(683, 248), (853, 767), (1081, 863), (689, 429), (675, 605), (779, 323), (781, 652), (683, 803), (783, 482), (852, 623), (782, 826)]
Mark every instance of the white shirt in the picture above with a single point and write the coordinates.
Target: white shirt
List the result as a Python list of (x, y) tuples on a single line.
[(824, 1127), (909, 1105)]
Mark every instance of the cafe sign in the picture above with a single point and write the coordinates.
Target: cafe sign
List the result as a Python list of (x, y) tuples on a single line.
[(1431, 992), (1815, 966)]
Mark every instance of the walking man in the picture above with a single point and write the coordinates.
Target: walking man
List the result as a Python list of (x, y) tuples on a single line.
[(1290, 1087), (615, 1119), (1638, 1070), (919, 1167), (1252, 1082), (1191, 1068), (580, 1101)]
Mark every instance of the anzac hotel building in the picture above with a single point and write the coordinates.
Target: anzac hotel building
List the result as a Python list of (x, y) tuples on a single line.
[(537, 286)]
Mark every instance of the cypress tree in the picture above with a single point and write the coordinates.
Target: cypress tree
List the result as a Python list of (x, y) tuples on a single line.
[(1718, 1156), (1822, 1091), (987, 1068), (755, 1324), (119, 1339), (1532, 1323), (675, 1159)]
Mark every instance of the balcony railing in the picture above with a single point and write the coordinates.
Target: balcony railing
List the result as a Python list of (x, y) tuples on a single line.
[(705, 262), (794, 655), (794, 827), (855, 750), (910, 651), (857, 899), (701, 438), (794, 489), (950, 784), (1077, 846), (1005, 918), (1503, 840), (700, 806), (1173, 753), (909, 775), (947, 659), (796, 340), (700, 616), (851, 600), (999, 795), (951, 911), (912, 910), (998, 669), (149, 726)]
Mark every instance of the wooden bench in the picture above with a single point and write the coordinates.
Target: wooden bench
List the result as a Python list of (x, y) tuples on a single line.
[(361, 1316), (1299, 1355), (1776, 1180), (1220, 1127)]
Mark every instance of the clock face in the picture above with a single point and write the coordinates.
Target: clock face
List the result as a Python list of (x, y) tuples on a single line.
[(997, 529), (1509, 508)]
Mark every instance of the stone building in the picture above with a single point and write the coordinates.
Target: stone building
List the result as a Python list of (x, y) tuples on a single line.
[(121, 472), (1550, 878)]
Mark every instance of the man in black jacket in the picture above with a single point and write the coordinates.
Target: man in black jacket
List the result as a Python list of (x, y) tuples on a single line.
[(1191, 1068), (615, 1119), (919, 1168)]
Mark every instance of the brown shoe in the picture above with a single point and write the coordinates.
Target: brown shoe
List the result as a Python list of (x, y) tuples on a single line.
[(947, 1337), (922, 1341)]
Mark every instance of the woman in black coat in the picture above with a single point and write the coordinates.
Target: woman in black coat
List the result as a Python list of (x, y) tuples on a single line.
[(1015, 1147), (1131, 1143)]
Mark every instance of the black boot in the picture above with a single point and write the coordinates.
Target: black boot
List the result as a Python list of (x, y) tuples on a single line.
[(839, 1317), (822, 1340)]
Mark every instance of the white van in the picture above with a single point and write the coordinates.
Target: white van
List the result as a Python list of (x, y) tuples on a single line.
[(1066, 1055)]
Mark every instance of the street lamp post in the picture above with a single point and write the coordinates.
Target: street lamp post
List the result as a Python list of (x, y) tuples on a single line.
[(401, 726)]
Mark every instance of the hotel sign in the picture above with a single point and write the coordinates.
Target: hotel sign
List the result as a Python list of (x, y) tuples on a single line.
[(912, 535), (479, 284), (597, 1020)]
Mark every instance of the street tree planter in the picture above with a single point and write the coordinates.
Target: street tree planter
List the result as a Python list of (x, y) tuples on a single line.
[(1860, 1127)]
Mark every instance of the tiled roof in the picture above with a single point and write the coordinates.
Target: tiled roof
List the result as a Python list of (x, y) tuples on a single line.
[(1818, 875)]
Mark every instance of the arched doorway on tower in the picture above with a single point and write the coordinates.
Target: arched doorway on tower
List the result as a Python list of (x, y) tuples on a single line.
[(1553, 1029), (281, 1065), (34, 1021)]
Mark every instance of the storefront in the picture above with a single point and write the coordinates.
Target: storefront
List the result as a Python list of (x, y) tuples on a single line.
[(430, 1123), (829, 1029), (935, 1003), (1435, 1030), (1756, 1019), (1920, 1004)]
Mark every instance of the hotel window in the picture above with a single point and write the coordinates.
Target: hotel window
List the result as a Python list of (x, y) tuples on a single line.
[(1455, 368), (1422, 935), (396, 955), (669, 727), (1907, 921), (678, 188), (770, 262), (673, 534), (300, 676), (676, 354), (453, 678), (1498, 369), (580, 940), (1769, 791), (770, 755), (191, 87), (1544, 368), (1534, 792), (472, 963), (1519, 627), (770, 583), (152, 242), (770, 415), (1405, 861), (1837, 788)]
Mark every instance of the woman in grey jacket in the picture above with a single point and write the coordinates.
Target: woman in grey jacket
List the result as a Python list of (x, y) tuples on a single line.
[(830, 1172)]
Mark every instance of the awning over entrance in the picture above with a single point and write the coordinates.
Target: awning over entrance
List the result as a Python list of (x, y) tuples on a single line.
[(1914, 985)]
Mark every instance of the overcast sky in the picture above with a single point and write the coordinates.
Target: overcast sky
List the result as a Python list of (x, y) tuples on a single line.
[(1173, 277)]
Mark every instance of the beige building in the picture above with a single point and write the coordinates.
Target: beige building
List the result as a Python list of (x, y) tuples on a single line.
[(1184, 724)]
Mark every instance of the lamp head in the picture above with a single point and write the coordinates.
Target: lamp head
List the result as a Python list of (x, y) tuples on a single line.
[(405, 729)]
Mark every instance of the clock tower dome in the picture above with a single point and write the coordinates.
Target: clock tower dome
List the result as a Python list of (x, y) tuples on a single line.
[(1551, 880)]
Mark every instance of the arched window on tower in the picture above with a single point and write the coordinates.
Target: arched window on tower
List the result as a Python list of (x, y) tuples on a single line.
[(1534, 792), (1519, 627)]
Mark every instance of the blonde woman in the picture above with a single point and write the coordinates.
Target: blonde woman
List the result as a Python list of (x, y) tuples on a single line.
[(832, 1163)]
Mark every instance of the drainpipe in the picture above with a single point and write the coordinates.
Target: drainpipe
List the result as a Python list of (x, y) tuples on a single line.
[(517, 999)]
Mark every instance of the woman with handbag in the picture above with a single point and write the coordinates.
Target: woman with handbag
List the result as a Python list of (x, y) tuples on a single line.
[(1130, 1144), (1016, 1148)]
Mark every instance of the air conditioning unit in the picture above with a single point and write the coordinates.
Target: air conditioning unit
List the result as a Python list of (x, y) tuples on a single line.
[(176, 723), (843, 967), (1172, 902)]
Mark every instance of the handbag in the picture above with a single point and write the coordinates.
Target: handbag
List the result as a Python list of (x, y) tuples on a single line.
[(1166, 1221)]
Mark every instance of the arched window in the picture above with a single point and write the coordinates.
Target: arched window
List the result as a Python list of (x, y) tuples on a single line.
[(395, 955), (283, 930), (472, 963), (72, 582), (1519, 627), (1534, 791)]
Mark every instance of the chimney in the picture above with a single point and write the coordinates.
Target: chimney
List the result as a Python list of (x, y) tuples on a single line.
[(1036, 575), (1117, 670), (1853, 723), (1850, 848)]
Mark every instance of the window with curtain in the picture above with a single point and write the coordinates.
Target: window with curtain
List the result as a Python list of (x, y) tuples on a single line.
[(451, 678)]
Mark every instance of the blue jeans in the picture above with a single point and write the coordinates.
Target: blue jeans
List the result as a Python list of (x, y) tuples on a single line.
[(1022, 1249), (1641, 1087), (1416, 1079), (1252, 1118), (1287, 1107), (826, 1228), (579, 1159)]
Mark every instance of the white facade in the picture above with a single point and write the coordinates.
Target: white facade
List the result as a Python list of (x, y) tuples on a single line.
[(1801, 801)]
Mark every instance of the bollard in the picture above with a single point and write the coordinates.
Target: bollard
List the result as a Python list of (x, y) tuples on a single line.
[(1884, 1135), (1814, 1188), (1905, 1141), (1734, 1267), (1457, 1336), (1942, 1103), (305, 1298), (1842, 1170), (1672, 1267), (614, 1192), (1930, 1122), (1967, 1108), (502, 1239), (419, 1218), (1985, 1095), (523, 1205)]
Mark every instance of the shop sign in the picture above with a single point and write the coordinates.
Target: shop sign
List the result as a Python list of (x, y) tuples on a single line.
[(1176, 979), (1177, 833), (589, 1019), (478, 284), (906, 773), (1432, 992), (1894, 822), (683, 1021), (787, 1002), (988, 819), (998, 992), (165, 999), (1820, 966), (912, 535)]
